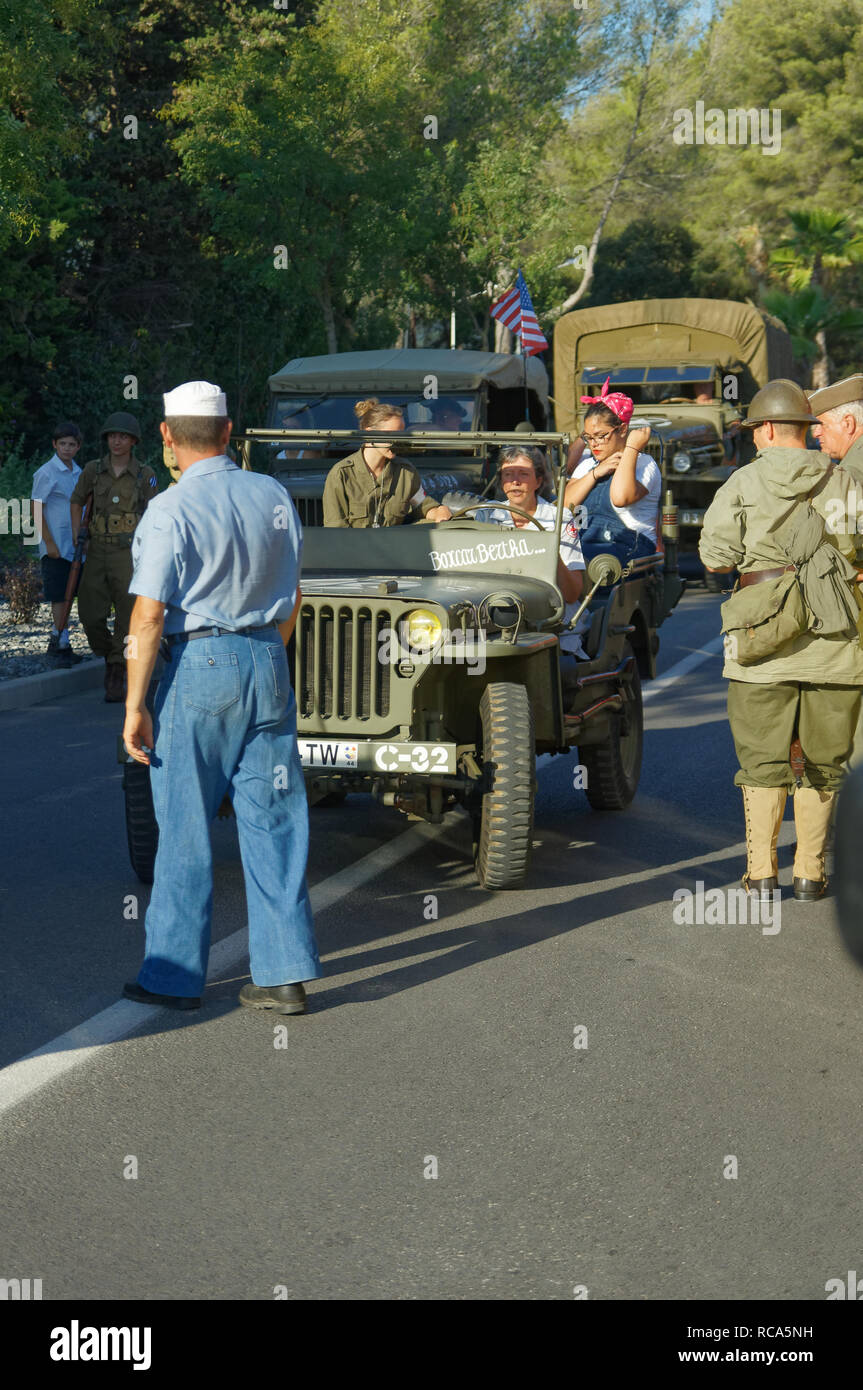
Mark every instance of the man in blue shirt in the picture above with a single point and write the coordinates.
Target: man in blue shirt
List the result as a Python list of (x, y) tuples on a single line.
[(216, 570)]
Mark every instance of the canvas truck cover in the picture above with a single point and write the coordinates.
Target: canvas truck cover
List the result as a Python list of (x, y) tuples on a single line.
[(667, 331), (405, 369)]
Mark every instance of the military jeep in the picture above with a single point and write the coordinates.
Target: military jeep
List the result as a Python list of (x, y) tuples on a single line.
[(427, 667), (690, 365)]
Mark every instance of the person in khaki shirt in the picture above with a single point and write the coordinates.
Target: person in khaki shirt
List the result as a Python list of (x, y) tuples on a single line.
[(121, 486), (810, 688), (372, 487)]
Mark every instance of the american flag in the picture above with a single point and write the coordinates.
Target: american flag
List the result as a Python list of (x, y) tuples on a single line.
[(515, 311)]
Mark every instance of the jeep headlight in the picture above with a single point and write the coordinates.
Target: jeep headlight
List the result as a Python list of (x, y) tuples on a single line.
[(682, 461), (423, 629)]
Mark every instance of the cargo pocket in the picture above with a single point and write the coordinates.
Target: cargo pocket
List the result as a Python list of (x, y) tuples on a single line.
[(210, 684)]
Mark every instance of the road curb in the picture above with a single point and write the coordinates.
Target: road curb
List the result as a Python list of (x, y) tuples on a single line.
[(24, 691)]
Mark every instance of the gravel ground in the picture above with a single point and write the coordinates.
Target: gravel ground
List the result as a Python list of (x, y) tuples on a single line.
[(22, 645)]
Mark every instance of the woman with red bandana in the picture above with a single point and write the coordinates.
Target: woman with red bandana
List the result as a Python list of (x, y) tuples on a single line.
[(618, 486)]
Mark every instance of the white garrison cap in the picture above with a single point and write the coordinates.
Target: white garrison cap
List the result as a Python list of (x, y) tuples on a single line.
[(195, 398)]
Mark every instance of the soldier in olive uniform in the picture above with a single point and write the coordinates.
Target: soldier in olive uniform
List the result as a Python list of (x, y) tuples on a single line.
[(839, 430), (372, 487), (840, 434), (121, 486), (810, 687)]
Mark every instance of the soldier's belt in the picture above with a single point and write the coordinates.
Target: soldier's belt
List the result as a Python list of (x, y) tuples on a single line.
[(124, 541), (114, 523), (759, 576)]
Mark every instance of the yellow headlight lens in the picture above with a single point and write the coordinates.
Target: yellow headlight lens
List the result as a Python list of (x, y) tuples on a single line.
[(424, 629)]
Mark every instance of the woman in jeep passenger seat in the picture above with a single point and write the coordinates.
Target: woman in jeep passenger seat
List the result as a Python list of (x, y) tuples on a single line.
[(618, 486)]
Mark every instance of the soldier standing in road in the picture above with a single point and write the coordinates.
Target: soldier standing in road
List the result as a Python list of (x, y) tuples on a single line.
[(840, 434), (217, 564), (121, 487), (839, 428), (809, 687)]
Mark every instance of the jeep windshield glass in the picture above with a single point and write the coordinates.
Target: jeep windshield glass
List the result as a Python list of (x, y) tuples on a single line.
[(650, 385)]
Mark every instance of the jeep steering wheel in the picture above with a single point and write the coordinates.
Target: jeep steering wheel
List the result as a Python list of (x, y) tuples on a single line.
[(498, 506)]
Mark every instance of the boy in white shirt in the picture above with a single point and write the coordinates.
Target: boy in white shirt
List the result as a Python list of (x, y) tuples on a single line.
[(53, 484)]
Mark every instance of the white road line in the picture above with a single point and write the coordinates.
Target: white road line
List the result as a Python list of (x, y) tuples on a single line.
[(682, 668), (79, 1045), (29, 1074)]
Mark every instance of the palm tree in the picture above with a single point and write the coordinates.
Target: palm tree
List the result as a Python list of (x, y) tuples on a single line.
[(809, 314), (821, 242)]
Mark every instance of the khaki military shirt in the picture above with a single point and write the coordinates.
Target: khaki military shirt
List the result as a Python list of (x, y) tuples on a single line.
[(119, 500), (354, 497), (740, 529)]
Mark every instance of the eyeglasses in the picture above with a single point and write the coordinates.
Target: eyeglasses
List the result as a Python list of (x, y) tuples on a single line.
[(598, 438)]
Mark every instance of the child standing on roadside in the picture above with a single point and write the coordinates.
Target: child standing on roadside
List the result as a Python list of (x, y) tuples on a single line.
[(53, 484)]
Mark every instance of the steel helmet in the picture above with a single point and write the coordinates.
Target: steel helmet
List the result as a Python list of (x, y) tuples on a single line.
[(781, 402), (123, 423)]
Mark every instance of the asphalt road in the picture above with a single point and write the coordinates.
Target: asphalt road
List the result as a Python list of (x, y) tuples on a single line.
[(449, 1039)]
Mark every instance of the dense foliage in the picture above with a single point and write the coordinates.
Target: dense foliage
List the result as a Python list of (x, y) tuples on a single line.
[(209, 187)]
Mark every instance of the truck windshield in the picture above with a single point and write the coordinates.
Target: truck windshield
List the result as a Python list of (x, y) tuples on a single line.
[(331, 412), (649, 385)]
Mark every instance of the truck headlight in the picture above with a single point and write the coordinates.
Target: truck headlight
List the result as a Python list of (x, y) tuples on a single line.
[(423, 628), (682, 461)]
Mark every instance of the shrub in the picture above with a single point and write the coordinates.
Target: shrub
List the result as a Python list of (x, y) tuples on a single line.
[(21, 586)]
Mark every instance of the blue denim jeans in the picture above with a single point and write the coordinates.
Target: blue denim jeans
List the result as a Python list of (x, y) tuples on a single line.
[(225, 717)]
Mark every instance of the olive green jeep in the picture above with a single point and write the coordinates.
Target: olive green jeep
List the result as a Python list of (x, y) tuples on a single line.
[(427, 667)]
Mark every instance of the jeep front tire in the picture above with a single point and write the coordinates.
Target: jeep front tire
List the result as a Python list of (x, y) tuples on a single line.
[(503, 820)]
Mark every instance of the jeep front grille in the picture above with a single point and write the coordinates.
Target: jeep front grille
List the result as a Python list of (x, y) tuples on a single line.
[(339, 673)]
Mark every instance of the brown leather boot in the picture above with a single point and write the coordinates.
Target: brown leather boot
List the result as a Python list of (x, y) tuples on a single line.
[(763, 808)]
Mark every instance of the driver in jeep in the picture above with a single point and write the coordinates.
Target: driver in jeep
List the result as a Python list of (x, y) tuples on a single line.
[(372, 487)]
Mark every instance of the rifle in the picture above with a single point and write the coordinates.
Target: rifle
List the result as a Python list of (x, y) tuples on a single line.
[(77, 562)]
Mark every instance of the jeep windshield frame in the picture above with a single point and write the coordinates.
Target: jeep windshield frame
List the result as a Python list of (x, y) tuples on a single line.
[(426, 548)]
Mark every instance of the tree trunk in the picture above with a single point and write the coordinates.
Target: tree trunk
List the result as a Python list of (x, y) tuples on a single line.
[(502, 337), (326, 303), (821, 366), (586, 279)]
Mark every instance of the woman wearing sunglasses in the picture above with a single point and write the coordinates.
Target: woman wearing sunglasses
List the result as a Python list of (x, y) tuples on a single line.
[(618, 486)]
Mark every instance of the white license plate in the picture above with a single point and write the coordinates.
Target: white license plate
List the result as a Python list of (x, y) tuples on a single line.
[(363, 756), (692, 518)]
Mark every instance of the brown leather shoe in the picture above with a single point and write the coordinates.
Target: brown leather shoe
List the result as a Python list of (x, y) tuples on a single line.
[(283, 999)]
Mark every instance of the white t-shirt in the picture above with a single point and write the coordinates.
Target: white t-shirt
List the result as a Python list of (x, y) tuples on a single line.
[(570, 554), (641, 516), (53, 485)]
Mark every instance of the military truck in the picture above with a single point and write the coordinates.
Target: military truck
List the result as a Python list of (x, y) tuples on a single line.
[(470, 390), (427, 667), (691, 366)]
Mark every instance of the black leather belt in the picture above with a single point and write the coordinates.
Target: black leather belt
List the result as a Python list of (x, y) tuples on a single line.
[(215, 632)]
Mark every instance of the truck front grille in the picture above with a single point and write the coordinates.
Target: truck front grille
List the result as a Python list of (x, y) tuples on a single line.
[(339, 673)]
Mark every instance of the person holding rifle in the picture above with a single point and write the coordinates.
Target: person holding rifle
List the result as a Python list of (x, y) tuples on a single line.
[(121, 486)]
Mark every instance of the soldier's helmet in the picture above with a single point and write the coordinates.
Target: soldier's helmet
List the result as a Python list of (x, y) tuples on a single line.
[(123, 423), (781, 402)]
